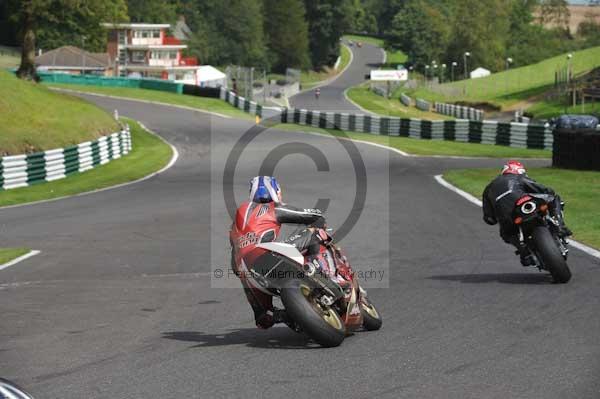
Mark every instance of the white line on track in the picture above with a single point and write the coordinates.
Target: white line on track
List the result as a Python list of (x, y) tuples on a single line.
[(471, 198), (174, 158), (576, 244), (330, 81), (20, 259)]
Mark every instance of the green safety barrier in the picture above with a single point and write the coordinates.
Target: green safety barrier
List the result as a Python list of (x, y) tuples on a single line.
[(93, 80)]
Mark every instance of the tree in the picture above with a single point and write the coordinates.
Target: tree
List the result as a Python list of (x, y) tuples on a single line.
[(226, 31), (72, 18), (203, 18), (480, 28), (242, 31), (383, 13), (8, 27), (152, 11), (387, 11), (589, 29), (327, 21), (421, 31), (286, 32), (555, 13), (368, 23), (361, 20)]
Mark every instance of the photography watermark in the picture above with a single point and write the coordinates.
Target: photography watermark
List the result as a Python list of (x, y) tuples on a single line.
[(365, 276), (276, 155), (346, 181)]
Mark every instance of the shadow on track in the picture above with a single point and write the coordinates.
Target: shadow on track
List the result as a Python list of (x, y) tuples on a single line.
[(274, 338), (504, 278)]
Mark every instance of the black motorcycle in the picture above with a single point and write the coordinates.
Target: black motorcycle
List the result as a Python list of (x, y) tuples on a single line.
[(539, 230)]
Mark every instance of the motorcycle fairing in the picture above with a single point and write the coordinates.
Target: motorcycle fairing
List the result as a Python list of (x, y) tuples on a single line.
[(287, 250)]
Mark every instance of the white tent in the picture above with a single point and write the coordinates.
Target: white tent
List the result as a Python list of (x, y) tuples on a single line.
[(208, 76), (479, 73)]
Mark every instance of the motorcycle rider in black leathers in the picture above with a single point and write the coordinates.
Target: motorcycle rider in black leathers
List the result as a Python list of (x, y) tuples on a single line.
[(499, 199)]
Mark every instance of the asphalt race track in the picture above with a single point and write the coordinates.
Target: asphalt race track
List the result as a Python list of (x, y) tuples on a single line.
[(119, 303), (332, 96)]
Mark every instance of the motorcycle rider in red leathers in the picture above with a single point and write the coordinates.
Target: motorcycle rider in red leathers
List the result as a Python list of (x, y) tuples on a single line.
[(259, 220)]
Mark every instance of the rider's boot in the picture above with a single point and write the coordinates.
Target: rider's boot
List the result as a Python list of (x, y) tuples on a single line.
[(263, 320), (525, 256), (564, 231), (279, 316)]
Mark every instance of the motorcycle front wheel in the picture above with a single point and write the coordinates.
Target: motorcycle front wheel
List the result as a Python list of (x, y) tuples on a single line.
[(321, 323), (550, 255), (371, 317)]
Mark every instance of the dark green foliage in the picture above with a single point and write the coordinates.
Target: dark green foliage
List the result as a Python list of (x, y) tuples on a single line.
[(589, 29), (227, 31), (490, 30), (305, 33), (286, 32), (53, 23), (75, 22), (152, 11), (327, 21), (555, 12), (420, 30)]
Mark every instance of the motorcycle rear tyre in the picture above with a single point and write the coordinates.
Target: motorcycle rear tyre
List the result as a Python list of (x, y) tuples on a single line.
[(324, 325), (550, 255)]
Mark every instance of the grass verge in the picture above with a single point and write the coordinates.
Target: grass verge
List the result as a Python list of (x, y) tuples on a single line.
[(149, 155), (510, 87), (412, 146), (370, 101), (37, 119), (393, 57), (201, 103), (546, 109), (429, 147), (8, 254), (310, 79), (9, 61), (580, 190)]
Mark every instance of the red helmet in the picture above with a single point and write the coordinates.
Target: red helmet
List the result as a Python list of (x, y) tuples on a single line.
[(514, 168)]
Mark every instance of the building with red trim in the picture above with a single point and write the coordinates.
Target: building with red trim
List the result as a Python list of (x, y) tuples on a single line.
[(146, 50)]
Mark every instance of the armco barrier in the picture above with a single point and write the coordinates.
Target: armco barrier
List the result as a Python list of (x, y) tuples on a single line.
[(459, 111), (469, 131), (406, 100), (423, 105), (25, 170), (91, 80), (473, 131), (250, 107), (241, 103)]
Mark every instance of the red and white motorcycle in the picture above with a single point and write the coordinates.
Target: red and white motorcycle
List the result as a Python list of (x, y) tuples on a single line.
[(322, 299)]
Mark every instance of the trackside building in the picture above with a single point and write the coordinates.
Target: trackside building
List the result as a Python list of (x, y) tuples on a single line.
[(146, 50)]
